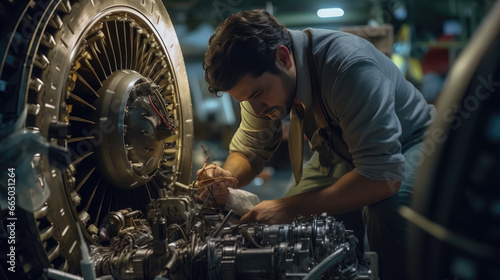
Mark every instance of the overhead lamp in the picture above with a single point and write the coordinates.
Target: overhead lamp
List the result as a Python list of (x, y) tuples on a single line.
[(330, 12)]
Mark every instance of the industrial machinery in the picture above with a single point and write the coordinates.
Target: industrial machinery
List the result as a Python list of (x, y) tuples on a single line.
[(179, 239), (95, 116), (96, 134)]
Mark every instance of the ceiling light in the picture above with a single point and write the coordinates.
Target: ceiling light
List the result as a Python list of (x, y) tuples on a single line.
[(330, 12)]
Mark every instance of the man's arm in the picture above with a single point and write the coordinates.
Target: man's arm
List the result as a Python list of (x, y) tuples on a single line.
[(256, 139), (350, 192), (240, 167)]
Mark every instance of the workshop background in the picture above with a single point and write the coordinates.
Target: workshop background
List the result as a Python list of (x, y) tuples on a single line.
[(423, 38)]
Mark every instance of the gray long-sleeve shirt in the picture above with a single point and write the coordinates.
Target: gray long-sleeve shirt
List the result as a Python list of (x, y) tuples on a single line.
[(380, 113)]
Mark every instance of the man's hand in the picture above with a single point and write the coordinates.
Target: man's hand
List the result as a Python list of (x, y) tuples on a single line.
[(352, 191), (215, 180), (275, 211)]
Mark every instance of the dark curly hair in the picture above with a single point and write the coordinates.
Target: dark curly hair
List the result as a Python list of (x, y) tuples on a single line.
[(245, 43)]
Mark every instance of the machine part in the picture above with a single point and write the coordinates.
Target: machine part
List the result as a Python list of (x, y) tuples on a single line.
[(60, 275), (55, 64), (256, 251), (114, 222), (328, 263), (178, 209), (86, 266), (127, 111), (24, 150)]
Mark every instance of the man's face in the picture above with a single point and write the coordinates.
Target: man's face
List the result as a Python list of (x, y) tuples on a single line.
[(269, 94)]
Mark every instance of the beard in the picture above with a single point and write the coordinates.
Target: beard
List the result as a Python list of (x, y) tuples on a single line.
[(281, 112)]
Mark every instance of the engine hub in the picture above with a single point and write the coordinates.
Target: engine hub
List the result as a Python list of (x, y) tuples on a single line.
[(131, 128)]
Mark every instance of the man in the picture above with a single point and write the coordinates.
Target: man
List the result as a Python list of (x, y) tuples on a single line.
[(381, 117)]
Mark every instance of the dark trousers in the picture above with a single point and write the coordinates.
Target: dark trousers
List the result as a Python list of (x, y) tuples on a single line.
[(386, 229), (386, 232)]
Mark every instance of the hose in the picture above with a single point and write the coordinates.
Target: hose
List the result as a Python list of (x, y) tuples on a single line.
[(328, 262)]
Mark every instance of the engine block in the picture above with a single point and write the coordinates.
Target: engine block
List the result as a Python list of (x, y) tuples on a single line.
[(181, 240)]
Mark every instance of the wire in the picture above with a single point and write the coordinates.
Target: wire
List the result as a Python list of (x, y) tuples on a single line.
[(211, 194), (206, 186), (176, 226), (161, 116)]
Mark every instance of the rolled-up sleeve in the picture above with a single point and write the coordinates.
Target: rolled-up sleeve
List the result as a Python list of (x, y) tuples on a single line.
[(257, 137), (363, 101)]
